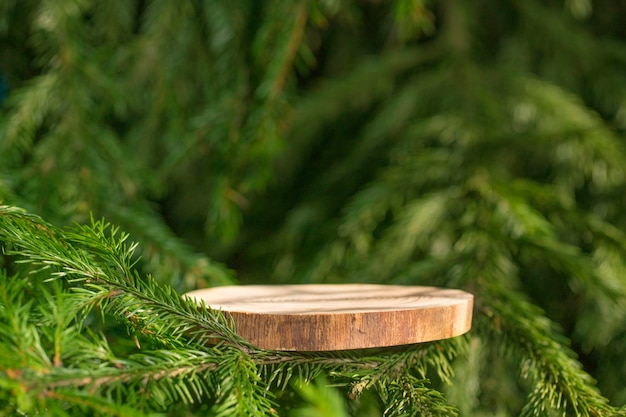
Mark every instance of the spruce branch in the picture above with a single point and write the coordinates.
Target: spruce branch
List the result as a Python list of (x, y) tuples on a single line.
[(100, 265), (155, 378), (408, 396), (359, 371), (21, 342), (241, 392), (558, 380), (85, 372)]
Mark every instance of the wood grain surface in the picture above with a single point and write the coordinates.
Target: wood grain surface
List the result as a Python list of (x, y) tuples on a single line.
[(320, 317)]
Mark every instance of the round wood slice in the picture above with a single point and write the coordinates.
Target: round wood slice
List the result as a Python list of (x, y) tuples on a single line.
[(316, 317)]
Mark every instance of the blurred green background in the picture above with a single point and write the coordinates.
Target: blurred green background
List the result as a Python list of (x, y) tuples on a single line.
[(462, 144)]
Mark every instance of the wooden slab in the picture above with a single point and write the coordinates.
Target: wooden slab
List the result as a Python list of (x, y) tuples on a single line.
[(321, 317)]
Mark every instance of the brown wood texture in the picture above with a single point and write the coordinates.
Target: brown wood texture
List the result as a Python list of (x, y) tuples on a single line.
[(320, 317)]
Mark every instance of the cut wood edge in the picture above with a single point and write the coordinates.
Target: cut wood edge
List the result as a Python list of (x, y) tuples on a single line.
[(325, 317)]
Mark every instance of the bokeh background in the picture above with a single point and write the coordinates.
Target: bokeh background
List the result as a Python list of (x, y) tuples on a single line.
[(476, 145)]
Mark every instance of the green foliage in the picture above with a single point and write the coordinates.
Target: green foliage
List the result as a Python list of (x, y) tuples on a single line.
[(412, 142), (52, 360)]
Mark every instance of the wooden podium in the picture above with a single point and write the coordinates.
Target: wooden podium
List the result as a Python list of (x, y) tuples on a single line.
[(322, 317)]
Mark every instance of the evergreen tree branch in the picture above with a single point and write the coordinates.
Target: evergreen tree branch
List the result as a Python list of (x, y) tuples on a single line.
[(149, 380), (103, 266), (241, 392), (95, 263), (558, 380), (408, 396)]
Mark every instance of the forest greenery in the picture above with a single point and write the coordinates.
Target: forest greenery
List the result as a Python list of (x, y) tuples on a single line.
[(151, 147)]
